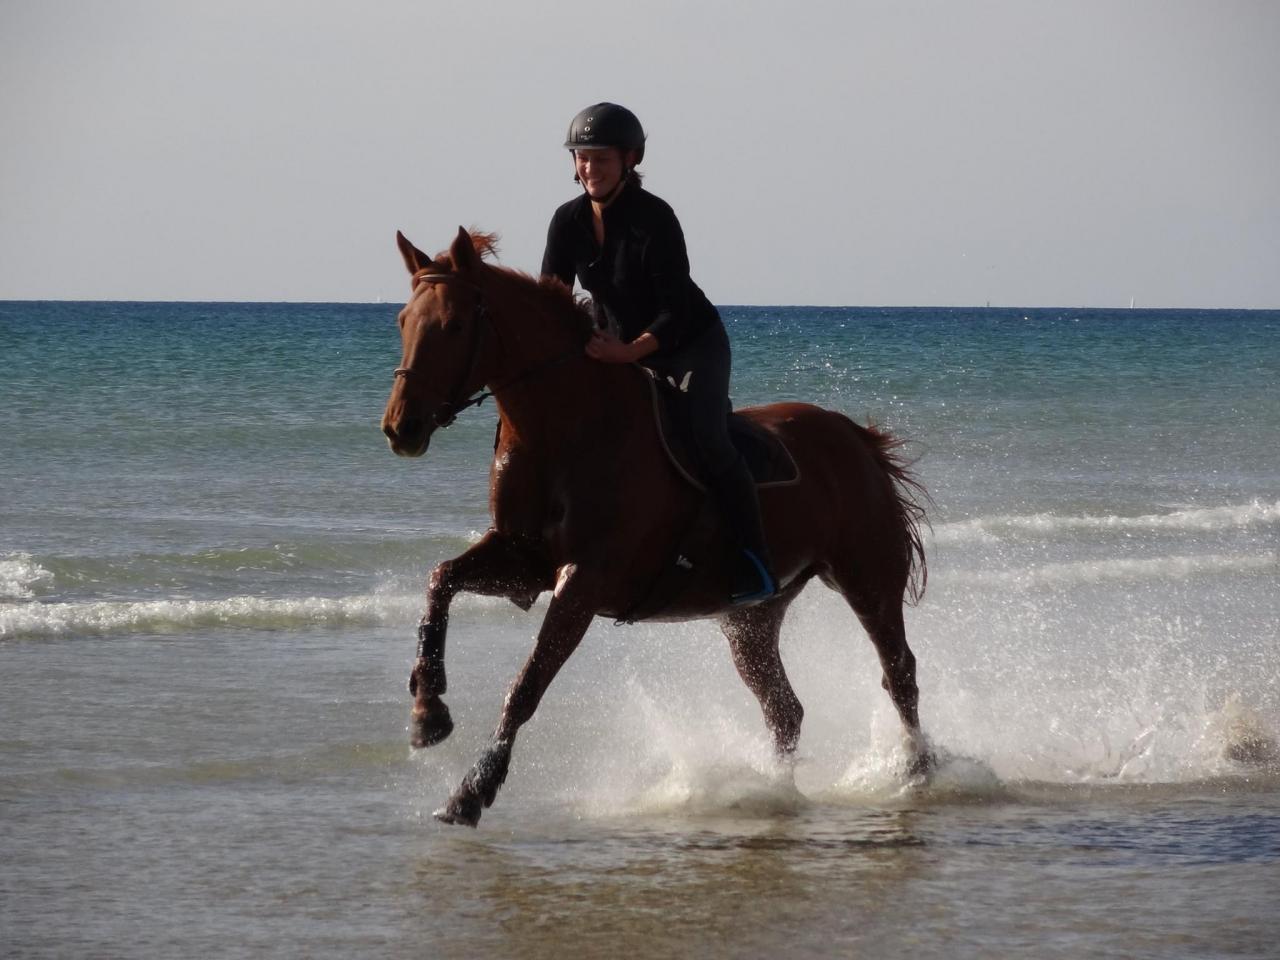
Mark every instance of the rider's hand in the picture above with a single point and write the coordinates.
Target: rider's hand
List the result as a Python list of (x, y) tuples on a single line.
[(605, 347)]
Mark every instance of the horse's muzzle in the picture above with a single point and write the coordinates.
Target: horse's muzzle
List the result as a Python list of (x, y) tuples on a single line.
[(409, 439)]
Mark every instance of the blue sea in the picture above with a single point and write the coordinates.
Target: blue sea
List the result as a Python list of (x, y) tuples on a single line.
[(211, 570)]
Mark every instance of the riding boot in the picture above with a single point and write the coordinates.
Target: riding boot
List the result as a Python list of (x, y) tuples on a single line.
[(735, 492)]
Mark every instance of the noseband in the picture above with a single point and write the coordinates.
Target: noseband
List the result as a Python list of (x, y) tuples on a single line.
[(481, 319)]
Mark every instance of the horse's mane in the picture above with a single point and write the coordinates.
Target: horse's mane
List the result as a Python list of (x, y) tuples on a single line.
[(557, 297)]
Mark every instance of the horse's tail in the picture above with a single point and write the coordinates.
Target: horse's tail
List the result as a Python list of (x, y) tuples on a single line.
[(909, 499)]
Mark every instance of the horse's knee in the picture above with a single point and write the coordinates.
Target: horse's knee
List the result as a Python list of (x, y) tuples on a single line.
[(439, 581)]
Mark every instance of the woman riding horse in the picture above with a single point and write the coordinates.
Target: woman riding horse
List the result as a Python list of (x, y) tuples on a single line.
[(627, 250), (584, 504)]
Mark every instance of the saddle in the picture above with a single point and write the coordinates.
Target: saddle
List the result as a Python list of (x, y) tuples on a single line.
[(768, 460), (767, 457)]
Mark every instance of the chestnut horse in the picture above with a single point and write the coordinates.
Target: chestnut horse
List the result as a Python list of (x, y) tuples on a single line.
[(585, 503)]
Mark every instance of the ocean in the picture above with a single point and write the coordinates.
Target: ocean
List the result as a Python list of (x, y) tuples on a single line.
[(211, 570)]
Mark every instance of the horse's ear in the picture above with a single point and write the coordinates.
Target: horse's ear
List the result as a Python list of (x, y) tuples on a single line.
[(463, 252), (414, 259)]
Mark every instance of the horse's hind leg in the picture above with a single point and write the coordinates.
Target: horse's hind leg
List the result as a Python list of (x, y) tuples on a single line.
[(879, 609), (753, 634)]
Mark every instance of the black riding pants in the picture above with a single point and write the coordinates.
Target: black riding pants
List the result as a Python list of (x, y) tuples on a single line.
[(700, 370)]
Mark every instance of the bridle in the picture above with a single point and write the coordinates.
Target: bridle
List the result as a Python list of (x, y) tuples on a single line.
[(481, 320), (448, 411)]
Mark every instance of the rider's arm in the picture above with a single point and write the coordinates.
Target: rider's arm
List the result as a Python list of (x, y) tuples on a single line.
[(668, 268)]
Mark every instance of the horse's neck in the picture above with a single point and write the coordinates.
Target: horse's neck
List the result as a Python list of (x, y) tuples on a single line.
[(549, 392), (580, 401)]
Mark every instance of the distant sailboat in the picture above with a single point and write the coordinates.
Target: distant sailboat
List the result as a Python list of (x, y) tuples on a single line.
[(1131, 303)]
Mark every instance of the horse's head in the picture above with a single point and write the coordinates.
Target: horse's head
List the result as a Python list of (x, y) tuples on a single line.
[(443, 329)]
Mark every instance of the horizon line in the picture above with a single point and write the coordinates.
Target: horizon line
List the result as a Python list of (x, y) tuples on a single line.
[(720, 306)]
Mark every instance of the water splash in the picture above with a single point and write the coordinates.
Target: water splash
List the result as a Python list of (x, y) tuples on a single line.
[(20, 576)]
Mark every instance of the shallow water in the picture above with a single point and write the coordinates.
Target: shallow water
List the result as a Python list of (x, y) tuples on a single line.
[(252, 794), (208, 586)]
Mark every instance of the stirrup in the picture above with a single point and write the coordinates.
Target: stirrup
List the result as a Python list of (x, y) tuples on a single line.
[(767, 585)]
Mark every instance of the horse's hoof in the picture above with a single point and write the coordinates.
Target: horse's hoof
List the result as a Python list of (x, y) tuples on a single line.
[(431, 728), (462, 811), (922, 766)]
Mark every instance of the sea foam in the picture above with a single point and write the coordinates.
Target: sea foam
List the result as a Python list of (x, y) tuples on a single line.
[(168, 616), (1201, 519), (35, 620), (19, 575), (1120, 570)]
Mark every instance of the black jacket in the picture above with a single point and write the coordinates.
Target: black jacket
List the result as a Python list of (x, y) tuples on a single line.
[(640, 281)]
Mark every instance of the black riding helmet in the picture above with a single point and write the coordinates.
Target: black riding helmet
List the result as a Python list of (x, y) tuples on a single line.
[(606, 125)]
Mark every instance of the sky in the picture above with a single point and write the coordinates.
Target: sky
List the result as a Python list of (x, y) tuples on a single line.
[(950, 153)]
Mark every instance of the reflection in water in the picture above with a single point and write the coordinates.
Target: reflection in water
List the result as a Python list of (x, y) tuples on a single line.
[(1006, 877), (725, 885)]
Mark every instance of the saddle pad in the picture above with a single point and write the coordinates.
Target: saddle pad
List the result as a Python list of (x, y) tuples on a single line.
[(767, 457)]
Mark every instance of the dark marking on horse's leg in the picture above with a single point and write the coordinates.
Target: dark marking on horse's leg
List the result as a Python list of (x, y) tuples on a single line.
[(566, 621), (430, 721), (479, 787), (753, 634), (496, 566)]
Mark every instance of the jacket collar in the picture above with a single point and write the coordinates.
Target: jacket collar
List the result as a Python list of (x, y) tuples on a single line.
[(625, 198)]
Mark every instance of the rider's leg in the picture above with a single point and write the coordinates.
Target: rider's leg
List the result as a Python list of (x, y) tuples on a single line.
[(707, 391), (735, 491)]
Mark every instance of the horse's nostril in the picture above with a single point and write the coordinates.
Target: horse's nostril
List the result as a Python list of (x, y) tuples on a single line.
[(407, 435)]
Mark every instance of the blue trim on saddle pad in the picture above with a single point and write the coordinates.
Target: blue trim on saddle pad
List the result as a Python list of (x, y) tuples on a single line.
[(768, 586)]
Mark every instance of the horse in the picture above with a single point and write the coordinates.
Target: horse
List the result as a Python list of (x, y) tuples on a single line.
[(584, 503)]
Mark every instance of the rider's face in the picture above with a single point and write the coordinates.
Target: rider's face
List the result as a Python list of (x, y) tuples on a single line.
[(599, 170)]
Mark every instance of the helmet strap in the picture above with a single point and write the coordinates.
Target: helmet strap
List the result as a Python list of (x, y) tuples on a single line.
[(613, 194)]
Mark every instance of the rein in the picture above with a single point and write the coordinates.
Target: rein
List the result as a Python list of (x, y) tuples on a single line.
[(448, 411)]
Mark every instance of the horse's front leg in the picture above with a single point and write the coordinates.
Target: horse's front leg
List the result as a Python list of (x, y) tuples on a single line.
[(569, 615), (495, 566)]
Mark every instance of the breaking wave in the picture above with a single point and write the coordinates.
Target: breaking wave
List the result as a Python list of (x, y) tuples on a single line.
[(20, 575), (114, 618), (1121, 570), (168, 616), (1195, 520)]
